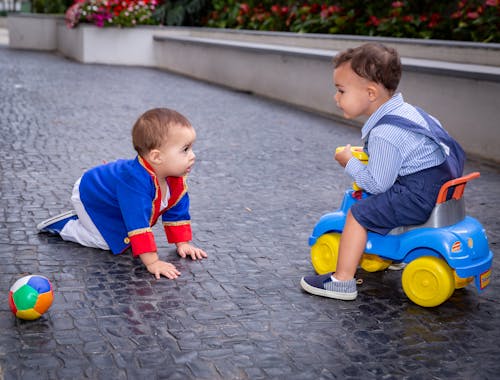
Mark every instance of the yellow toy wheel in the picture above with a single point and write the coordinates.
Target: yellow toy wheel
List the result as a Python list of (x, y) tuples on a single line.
[(428, 281), (325, 253), (373, 263)]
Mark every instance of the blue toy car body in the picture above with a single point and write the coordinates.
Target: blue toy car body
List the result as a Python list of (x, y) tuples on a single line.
[(447, 252)]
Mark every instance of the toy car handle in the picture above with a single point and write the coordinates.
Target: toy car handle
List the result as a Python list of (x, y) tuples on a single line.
[(357, 151), (458, 184)]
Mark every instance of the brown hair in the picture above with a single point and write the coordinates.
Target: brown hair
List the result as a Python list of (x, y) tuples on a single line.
[(151, 129), (375, 62)]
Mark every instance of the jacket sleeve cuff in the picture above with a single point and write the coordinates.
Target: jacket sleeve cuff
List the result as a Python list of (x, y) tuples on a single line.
[(178, 232), (142, 242)]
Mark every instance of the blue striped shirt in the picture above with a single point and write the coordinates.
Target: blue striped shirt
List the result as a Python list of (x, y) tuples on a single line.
[(393, 151)]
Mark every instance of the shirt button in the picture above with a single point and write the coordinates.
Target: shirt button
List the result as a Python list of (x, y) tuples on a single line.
[(126, 240)]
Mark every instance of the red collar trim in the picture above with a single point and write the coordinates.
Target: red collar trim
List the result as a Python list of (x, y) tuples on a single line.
[(146, 166)]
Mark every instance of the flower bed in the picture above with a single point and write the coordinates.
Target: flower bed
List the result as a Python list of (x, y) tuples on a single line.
[(466, 20), (122, 13)]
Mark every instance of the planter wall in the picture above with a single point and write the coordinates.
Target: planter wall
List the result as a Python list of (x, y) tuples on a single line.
[(33, 31), (119, 46), (447, 51)]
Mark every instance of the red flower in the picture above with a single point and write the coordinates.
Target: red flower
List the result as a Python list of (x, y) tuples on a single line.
[(334, 9), (373, 20), (407, 18), (491, 3), (397, 4), (435, 17)]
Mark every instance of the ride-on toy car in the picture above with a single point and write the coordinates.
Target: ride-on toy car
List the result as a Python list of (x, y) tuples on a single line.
[(447, 252)]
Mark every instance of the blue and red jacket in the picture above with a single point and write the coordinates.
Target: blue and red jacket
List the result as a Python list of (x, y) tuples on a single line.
[(123, 199)]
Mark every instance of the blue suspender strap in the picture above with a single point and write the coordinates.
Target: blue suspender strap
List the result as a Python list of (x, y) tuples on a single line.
[(454, 152)]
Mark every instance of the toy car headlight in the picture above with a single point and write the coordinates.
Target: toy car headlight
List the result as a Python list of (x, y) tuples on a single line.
[(456, 247)]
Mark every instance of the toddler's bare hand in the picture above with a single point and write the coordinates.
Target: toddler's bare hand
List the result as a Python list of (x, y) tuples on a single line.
[(159, 268), (186, 249), (343, 156)]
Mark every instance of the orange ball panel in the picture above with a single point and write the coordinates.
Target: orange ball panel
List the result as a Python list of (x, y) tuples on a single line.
[(44, 301)]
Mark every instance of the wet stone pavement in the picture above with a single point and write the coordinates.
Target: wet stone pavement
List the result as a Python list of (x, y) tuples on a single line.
[(264, 175)]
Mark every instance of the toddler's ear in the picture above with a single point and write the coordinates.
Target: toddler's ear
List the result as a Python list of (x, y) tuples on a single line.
[(154, 156), (372, 93)]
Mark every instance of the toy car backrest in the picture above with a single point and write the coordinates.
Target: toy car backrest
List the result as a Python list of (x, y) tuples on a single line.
[(450, 206), (458, 186)]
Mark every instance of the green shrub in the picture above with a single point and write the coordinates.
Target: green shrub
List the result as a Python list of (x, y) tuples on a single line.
[(49, 6), (181, 12)]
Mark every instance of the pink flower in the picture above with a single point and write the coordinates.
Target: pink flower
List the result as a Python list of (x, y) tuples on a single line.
[(244, 8), (73, 14), (472, 15), (397, 4), (491, 3)]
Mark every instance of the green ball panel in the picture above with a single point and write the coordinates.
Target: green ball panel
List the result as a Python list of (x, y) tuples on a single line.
[(25, 297)]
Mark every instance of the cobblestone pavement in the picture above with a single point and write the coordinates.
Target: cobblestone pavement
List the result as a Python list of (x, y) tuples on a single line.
[(263, 177)]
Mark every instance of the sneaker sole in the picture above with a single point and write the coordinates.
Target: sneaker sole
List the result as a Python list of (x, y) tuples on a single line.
[(40, 226), (327, 293), (398, 266)]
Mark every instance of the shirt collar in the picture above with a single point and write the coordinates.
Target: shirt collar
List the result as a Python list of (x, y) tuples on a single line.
[(394, 102)]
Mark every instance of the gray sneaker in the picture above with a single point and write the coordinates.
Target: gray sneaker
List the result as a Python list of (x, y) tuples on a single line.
[(323, 285)]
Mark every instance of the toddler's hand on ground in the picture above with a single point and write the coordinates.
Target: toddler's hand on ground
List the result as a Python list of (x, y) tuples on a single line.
[(186, 249), (343, 156), (159, 268)]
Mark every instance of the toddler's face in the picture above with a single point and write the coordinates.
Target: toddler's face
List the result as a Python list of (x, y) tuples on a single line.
[(352, 92), (177, 156)]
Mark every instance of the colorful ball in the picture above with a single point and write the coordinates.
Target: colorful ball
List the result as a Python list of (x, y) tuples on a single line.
[(31, 296)]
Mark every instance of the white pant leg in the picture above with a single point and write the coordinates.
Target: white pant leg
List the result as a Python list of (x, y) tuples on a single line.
[(82, 230)]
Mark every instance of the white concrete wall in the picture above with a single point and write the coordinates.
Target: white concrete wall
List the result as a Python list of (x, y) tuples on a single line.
[(70, 42), (264, 72), (33, 32), (468, 108), (114, 46), (446, 51)]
